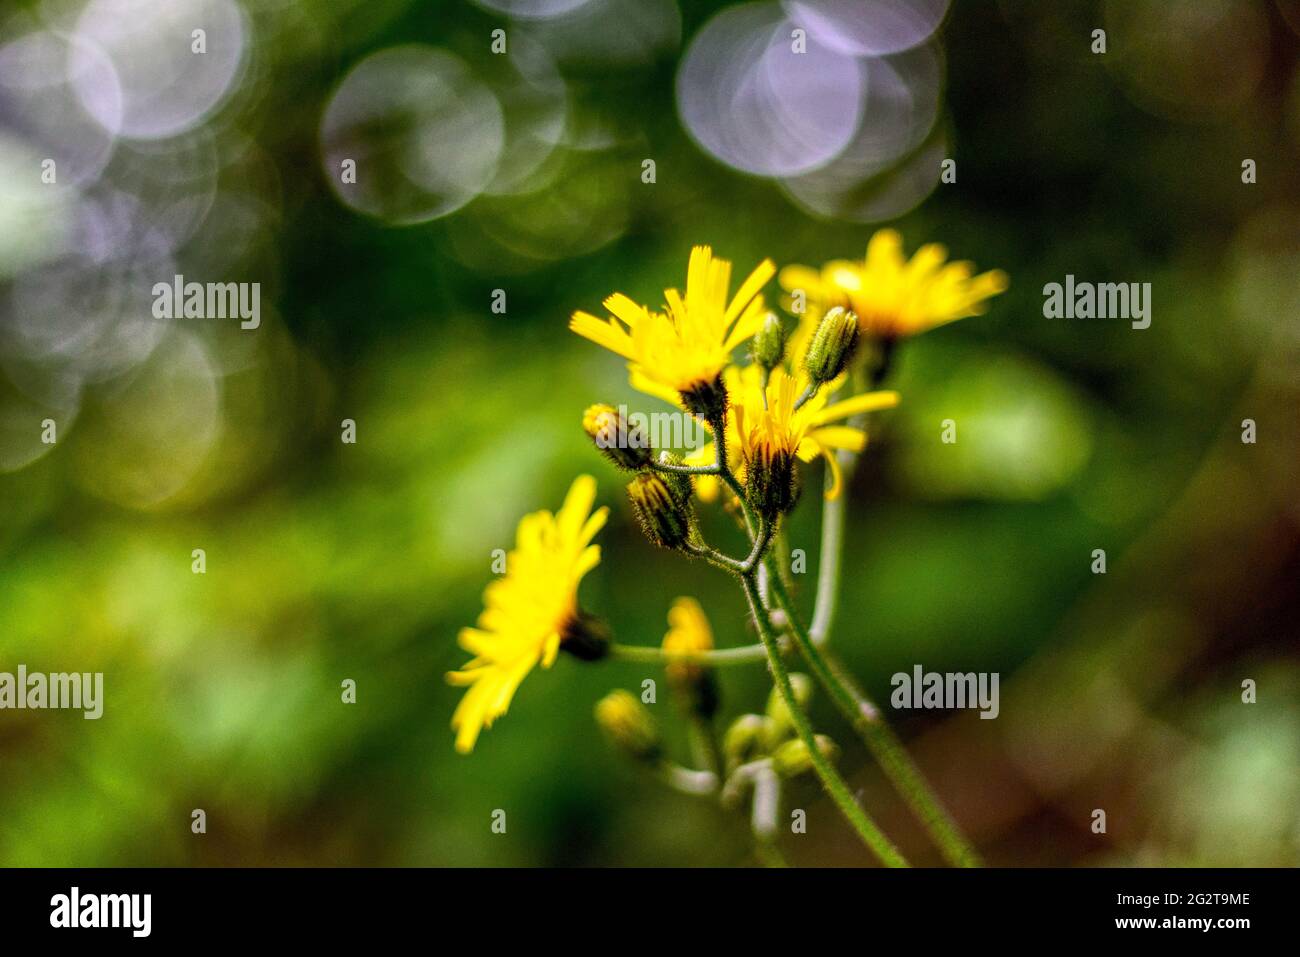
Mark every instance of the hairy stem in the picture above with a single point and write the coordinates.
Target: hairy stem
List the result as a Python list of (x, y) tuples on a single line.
[(719, 426), (835, 786), (714, 557), (675, 469), (880, 739)]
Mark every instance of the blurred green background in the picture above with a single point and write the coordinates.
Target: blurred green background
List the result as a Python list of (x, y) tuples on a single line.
[(328, 561)]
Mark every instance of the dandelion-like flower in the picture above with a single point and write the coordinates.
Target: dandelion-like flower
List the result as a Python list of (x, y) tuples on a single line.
[(684, 349), (765, 430), (530, 612), (892, 296)]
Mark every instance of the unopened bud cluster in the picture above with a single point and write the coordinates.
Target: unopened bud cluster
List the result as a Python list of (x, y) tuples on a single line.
[(771, 736)]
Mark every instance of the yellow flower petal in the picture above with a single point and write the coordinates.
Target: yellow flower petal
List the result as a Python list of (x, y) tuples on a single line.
[(690, 344), (608, 334), (866, 402), (837, 476), (892, 296), (749, 288), (840, 437), (526, 611)]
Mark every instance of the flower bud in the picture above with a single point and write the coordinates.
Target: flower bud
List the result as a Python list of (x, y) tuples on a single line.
[(629, 725), (792, 758), (768, 348), (665, 518), (780, 724), (692, 681), (832, 345), (626, 445), (741, 741), (771, 482)]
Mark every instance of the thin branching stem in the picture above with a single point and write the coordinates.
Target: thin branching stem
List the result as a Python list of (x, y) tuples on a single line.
[(718, 424), (867, 720), (716, 657), (871, 835), (674, 468), (714, 557), (764, 538), (804, 396), (828, 560)]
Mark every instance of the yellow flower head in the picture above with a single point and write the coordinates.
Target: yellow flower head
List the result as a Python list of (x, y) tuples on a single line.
[(893, 297), (688, 633), (529, 611), (684, 348), (765, 426)]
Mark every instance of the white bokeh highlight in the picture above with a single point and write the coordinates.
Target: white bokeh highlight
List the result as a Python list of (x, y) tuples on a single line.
[(425, 134), (162, 86), (753, 102)]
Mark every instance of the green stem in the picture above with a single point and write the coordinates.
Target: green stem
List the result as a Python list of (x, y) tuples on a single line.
[(807, 394), (715, 557), (719, 426), (717, 657), (835, 786), (880, 739), (906, 776), (736, 566), (828, 559), (761, 541), (675, 469)]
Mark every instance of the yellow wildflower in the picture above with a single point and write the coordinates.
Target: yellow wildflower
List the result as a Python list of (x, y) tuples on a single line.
[(685, 348), (530, 611), (763, 425), (893, 297)]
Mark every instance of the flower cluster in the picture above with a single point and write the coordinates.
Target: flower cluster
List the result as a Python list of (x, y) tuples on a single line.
[(773, 394)]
